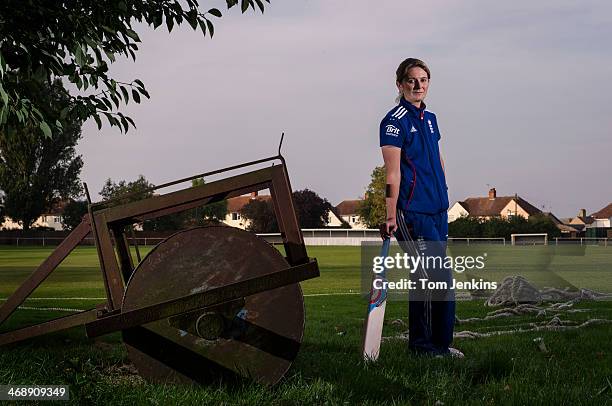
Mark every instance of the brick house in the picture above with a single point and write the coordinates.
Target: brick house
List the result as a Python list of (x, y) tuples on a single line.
[(492, 206)]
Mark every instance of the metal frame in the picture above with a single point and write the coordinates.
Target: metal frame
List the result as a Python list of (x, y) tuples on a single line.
[(109, 227)]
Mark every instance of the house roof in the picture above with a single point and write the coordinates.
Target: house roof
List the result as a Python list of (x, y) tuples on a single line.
[(484, 206), (348, 207), (465, 207), (235, 204), (552, 217), (604, 213), (582, 220), (568, 229)]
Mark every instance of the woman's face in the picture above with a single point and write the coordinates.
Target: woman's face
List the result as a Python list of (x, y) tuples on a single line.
[(414, 85)]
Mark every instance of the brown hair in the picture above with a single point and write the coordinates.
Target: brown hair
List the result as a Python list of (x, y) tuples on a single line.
[(410, 63)]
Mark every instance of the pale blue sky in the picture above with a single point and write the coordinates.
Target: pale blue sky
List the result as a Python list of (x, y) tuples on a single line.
[(522, 91)]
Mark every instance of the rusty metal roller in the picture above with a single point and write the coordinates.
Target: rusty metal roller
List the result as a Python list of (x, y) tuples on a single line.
[(256, 337)]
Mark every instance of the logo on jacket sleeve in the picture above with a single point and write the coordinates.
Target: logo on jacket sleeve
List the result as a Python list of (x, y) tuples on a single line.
[(430, 126), (392, 130)]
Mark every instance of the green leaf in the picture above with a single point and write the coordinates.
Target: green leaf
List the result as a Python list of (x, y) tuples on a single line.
[(202, 26), (192, 19), (139, 83), (131, 121), (135, 96), (98, 121), (158, 20), (124, 123), (110, 55), (4, 95), (2, 65), (244, 6), (132, 34), (108, 29), (78, 56), (45, 129), (169, 22), (211, 28), (115, 100), (215, 12), (126, 96)]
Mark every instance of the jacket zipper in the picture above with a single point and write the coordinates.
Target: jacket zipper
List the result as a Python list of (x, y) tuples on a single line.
[(433, 171)]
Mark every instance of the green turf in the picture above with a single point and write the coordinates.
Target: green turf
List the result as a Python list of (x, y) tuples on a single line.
[(506, 369)]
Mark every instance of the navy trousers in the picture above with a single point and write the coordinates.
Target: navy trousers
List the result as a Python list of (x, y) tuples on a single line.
[(431, 312)]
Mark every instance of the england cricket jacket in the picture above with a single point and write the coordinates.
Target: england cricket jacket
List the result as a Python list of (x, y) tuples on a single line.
[(415, 130)]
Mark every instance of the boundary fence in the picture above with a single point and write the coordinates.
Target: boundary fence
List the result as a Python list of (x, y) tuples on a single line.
[(311, 237)]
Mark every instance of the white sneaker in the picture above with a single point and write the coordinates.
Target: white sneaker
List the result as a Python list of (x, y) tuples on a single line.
[(455, 353)]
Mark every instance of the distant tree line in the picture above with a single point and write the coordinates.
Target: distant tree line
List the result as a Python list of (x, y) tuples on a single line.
[(502, 227)]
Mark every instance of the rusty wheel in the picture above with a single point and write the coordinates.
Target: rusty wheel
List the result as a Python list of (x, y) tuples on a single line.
[(257, 336)]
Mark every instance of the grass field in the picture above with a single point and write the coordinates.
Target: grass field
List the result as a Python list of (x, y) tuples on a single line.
[(507, 369)]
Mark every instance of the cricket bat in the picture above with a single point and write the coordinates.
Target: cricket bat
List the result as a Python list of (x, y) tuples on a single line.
[(376, 312)]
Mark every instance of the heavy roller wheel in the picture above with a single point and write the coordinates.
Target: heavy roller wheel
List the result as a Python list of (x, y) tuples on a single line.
[(256, 337)]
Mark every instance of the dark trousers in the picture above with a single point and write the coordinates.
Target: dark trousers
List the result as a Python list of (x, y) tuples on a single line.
[(431, 312)]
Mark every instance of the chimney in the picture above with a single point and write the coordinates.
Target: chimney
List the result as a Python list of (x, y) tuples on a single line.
[(492, 194), (254, 195), (582, 213)]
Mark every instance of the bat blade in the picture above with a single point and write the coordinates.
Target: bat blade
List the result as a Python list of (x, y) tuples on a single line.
[(375, 316)]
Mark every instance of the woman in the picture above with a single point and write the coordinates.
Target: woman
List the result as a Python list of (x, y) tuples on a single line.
[(417, 201)]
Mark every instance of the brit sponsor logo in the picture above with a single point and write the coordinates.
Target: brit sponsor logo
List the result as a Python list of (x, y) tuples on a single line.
[(392, 130)]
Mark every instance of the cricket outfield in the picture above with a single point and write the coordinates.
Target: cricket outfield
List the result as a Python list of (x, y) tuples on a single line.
[(574, 368)]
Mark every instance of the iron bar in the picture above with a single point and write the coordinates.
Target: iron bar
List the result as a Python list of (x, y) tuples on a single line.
[(203, 300)]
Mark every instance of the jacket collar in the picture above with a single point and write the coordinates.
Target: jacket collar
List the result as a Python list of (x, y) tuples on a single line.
[(414, 111)]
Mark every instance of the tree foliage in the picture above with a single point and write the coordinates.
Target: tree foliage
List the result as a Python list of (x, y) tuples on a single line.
[(260, 214), (73, 214), (373, 210), (123, 192), (209, 214), (496, 227), (126, 192), (312, 211), (76, 41), (37, 171)]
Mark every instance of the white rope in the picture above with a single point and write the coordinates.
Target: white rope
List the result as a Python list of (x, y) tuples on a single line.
[(521, 298), (55, 309), (60, 298)]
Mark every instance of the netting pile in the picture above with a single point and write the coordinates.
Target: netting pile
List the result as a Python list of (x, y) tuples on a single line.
[(516, 290), (519, 297)]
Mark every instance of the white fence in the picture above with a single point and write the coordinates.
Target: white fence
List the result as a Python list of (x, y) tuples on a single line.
[(323, 237), (329, 236)]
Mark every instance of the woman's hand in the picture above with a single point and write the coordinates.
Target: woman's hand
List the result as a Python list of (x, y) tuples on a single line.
[(389, 227)]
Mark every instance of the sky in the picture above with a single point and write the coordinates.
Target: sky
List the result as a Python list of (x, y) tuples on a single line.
[(522, 91)]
